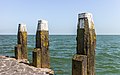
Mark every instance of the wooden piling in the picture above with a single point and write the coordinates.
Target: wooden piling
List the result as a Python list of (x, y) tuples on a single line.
[(86, 41), (18, 51), (37, 58), (42, 42), (21, 48), (79, 65)]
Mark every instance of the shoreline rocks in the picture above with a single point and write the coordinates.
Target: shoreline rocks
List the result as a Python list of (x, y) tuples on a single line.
[(11, 66)]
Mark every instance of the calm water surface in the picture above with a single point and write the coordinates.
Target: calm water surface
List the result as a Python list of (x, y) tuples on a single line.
[(63, 47)]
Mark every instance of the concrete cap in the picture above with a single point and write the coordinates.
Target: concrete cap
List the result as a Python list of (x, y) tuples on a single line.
[(22, 27), (89, 17), (84, 15), (42, 25)]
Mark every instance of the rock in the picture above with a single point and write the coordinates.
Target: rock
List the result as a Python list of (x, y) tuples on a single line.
[(10, 66)]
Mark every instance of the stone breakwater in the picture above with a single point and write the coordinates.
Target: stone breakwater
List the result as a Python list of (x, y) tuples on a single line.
[(11, 66)]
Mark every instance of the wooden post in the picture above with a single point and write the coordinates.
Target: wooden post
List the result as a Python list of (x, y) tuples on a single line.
[(37, 57), (86, 42), (18, 51), (42, 42), (21, 48), (79, 65)]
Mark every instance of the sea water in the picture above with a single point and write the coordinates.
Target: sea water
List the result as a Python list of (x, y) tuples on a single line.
[(63, 47)]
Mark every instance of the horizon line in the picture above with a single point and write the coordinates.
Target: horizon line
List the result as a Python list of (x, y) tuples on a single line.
[(61, 33)]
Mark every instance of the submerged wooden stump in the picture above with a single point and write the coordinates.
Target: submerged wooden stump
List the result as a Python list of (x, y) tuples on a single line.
[(86, 43)]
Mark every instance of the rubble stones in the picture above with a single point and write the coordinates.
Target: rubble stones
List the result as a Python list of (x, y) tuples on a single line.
[(10, 66)]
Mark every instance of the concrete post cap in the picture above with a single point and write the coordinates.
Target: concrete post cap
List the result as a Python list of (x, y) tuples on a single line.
[(81, 17), (42, 25), (22, 27), (84, 15)]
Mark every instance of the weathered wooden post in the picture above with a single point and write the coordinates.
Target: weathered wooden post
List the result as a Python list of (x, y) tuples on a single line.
[(83, 62), (41, 52), (21, 47)]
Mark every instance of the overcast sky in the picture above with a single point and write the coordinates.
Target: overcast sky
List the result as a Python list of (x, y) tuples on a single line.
[(61, 15)]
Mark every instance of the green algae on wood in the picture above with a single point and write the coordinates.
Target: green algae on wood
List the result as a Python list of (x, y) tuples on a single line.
[(37, 58), (42, 42), (79, 63), (86, 42), (21, 47)]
